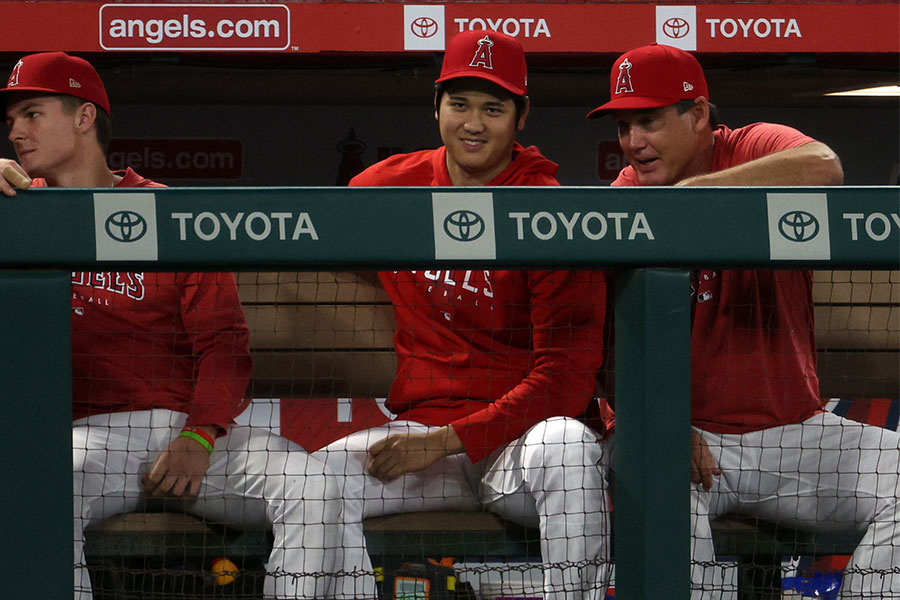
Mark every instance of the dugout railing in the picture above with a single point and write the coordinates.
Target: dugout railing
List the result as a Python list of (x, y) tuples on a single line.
[(654, 235)]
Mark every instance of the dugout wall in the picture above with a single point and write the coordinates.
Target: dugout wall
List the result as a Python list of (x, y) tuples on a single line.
[(657, 233)]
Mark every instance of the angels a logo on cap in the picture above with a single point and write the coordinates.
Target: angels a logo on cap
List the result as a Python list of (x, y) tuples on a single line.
[(623, 83), (482, 56), (14, 76)]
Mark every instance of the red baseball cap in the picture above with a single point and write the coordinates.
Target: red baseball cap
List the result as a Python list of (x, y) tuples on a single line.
[(489, 55), (58, 73), (653, 76)]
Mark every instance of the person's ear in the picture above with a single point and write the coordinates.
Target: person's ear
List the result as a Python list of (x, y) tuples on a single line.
[(700, 114), (85, 116), (520, 125)]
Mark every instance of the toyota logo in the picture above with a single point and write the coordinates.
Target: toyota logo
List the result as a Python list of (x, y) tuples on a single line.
[(126, 226), (464, 225), (423, 27), (676, 28), (798, 226)]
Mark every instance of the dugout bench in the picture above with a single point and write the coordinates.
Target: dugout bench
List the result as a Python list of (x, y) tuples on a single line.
[(167, 555)]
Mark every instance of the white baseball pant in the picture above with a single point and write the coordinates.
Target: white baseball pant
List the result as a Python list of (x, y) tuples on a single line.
[(553, 478), (825, 474), (254, 478)]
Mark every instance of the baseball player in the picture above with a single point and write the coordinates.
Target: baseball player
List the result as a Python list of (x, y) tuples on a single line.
[(492, 365), (160, 365), (762, 443)]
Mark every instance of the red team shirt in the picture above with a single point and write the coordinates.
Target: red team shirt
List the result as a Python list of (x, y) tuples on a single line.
[(753, 338), (158, 340), (490, 353)]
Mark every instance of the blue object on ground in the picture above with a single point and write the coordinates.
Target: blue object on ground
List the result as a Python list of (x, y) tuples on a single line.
[(818, 585)]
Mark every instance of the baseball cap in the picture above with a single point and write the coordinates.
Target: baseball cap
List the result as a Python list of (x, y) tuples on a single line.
[(653, 76), (488, 55), (58, 73)]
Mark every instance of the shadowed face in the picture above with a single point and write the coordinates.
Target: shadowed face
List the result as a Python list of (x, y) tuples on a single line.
[(43, 132), (662, 145)]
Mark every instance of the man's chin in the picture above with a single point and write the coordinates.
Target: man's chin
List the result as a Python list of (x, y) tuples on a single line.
[(654, 178), (472, 164), (33, 169)]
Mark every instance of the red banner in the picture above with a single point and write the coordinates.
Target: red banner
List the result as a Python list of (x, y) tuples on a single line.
[(178, 159), (376, 27), (316, 422), (210, 27), (610, 160)]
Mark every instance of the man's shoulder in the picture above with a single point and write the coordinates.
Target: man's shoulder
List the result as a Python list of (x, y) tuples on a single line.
[(756, 140), (627, 177), (414, 168), (528, 167), (755, 132), (131, 179)]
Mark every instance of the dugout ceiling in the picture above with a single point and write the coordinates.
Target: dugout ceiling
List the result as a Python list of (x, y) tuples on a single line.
[(376, 53)]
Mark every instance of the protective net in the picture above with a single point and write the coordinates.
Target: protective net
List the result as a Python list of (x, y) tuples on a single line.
[(806, 505), (323, 363)]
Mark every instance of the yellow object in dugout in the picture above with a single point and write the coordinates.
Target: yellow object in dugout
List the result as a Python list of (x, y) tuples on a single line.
[(224, 570)]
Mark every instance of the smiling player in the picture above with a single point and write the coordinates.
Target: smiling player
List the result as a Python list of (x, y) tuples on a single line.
[(492, 365)]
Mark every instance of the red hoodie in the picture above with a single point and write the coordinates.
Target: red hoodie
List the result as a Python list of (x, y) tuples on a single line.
[(490, 353), (429, 167), (158, 340)]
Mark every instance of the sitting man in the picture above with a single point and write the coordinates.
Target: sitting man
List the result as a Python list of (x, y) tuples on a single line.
[(493, 365), (762, 443), (160, 364)]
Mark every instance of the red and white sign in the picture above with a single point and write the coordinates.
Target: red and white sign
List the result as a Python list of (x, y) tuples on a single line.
[(315, 422), (423, 27), (178, 159), (677, 26), (393, 27), (610, 160), (216, 27)]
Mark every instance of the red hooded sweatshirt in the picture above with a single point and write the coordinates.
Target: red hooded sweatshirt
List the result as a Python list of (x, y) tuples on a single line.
[(158, 340), (490, 353)]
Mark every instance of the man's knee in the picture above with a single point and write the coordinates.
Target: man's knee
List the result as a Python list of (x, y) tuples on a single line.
[(563, 441)]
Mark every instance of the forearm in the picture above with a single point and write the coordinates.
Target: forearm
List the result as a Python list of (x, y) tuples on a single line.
[(220, 389), (536, 399), (220, 340), (568, 309), (813, 164), (211, 430), (444, 440)]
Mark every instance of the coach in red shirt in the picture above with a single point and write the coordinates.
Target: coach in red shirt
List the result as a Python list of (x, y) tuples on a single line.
[(762, 443)]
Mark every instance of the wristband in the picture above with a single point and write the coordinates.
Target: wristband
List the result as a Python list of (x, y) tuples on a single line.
[(199, 436)]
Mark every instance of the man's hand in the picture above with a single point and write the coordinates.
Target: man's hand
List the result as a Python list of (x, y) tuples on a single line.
[(703, 465), (402, 453), (12, 176), (178, 470)]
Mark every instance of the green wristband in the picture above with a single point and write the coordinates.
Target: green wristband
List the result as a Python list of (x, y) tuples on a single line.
[(197, 438)]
